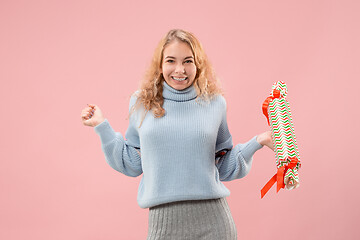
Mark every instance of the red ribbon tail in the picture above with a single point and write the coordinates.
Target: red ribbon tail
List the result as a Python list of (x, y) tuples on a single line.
[(268, 185)]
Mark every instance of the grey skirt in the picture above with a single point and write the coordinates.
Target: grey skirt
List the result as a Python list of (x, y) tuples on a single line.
[(192, 220)]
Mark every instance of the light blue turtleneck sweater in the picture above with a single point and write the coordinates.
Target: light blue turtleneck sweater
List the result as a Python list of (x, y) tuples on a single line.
[(178, 150)]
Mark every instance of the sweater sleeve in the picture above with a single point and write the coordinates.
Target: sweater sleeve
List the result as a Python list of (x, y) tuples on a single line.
[(224, 139), (122, 155), (234, 162)]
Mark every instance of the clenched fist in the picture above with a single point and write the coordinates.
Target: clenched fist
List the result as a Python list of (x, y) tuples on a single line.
[(92, 116)]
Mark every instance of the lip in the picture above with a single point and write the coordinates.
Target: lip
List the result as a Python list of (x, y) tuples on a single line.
[(179, 81)]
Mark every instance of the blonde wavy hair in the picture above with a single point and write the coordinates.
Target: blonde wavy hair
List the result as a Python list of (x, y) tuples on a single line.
[(206, 83)]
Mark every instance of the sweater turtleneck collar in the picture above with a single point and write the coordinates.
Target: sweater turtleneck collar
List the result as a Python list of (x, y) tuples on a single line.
[(178, 95)]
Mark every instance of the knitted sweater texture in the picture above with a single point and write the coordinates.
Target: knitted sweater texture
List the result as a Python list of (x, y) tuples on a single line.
[(176, 153)]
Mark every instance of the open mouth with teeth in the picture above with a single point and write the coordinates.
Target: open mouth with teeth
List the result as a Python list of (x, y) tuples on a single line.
[(179, 79)]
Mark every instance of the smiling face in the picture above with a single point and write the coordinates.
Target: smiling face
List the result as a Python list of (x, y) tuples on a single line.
[(178, 65)]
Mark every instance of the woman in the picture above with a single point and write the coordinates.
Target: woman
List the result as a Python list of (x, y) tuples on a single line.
[(179, 139)]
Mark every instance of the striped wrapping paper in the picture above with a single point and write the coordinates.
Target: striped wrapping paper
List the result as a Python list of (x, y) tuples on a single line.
[(277, 110)]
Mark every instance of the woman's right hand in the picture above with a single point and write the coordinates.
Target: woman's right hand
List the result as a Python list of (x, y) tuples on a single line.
[(92, 116), (265, 139)]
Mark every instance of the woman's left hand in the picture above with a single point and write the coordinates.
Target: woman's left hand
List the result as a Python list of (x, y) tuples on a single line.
[(265, 139)]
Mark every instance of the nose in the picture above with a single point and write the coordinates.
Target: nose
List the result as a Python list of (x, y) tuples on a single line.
[(180, 68)]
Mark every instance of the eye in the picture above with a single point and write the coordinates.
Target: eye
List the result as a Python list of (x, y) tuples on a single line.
[(170, 61), (188, 61)]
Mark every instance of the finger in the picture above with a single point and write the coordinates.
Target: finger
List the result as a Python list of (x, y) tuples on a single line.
[(272, 147), (87, 115), (84, 117), (88, 111), (85, 111), (86, 122)]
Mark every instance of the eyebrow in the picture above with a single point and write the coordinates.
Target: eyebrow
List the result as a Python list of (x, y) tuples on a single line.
[(175, 58)]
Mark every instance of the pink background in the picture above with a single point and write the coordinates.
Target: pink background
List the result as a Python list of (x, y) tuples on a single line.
[(57, 56)]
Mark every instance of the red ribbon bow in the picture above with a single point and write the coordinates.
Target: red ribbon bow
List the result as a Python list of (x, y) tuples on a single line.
[(279, 177)]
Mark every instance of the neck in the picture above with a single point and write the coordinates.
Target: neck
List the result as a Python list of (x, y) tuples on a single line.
[(179, 95)]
